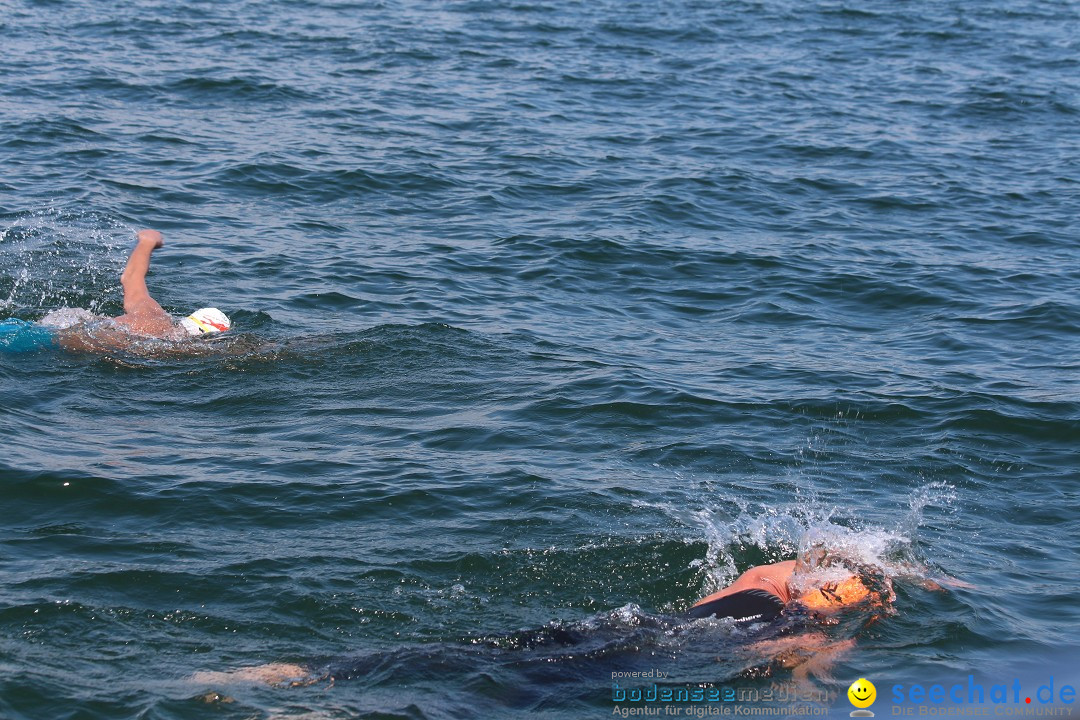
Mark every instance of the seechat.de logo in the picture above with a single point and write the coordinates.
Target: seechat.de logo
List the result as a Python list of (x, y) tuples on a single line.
[(862, 695)]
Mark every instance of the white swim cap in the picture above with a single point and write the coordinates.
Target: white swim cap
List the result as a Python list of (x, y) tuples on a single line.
[(206, 321)]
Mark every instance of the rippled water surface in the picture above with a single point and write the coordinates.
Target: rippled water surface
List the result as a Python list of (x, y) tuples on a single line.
[(549, 319)]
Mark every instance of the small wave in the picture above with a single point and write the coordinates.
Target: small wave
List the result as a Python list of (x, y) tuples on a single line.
[(1042, 319), (993, 101), (274, 178), (237, 88), (46, 132)]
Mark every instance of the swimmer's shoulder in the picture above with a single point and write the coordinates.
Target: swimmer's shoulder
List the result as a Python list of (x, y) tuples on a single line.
[(775, 573), (774, 578)]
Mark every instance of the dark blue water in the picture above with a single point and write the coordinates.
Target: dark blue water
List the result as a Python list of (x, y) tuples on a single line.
[(549, 319)]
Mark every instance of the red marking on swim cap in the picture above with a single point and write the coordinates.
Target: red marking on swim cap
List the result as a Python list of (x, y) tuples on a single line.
[(1028, 701)]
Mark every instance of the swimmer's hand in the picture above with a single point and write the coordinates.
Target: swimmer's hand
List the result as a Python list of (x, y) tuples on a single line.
[(931, 580), (151, 237), (273, 674), (944, 582)]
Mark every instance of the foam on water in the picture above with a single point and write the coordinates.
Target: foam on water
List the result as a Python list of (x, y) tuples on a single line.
[(806, 529), (67, 317), (55, 259)]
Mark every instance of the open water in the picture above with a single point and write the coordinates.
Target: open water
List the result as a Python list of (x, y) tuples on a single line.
[(550, 318)]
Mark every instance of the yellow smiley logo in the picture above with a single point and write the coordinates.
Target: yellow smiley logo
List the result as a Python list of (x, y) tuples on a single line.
[(862, 693)]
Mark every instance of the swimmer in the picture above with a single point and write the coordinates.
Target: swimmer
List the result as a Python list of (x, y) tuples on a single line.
[(816, 587), (143, 317), (815, 583)]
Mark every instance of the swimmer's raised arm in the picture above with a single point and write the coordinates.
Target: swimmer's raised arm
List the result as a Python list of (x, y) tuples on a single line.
[(142, 312), (136, 294)]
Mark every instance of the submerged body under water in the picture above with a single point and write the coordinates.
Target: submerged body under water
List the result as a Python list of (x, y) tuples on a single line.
[(548, 320), (78, 330), (747, 653), (820, 615)]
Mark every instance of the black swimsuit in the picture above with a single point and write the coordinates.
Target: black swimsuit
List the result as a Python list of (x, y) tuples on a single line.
[(759, 605)]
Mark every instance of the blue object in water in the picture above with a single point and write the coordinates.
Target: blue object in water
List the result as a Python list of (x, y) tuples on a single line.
[(22, 336)]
